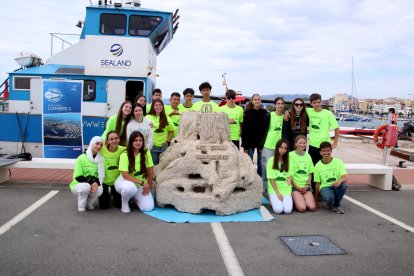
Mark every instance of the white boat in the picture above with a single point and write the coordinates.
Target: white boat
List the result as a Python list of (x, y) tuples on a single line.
[(114, 60)]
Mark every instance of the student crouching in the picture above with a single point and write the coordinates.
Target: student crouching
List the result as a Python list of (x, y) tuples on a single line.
[(88, 175), (136, 176)]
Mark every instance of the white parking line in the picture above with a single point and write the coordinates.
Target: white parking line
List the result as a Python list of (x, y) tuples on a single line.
[(378, 213), (227, 253), (8, 225)]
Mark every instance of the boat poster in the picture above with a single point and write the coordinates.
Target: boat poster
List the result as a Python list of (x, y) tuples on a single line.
[(62, 119)]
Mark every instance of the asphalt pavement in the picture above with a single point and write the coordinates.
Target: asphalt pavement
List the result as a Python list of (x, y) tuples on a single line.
[(57, 240)]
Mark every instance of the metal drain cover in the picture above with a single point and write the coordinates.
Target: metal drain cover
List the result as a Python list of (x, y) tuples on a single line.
[(311, 245)]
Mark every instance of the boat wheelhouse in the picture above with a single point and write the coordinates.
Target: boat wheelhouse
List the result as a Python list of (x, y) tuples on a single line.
[(115, 60)]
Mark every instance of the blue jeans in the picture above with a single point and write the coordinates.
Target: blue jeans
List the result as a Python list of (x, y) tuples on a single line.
[(250, 152), (266, 154), (333, 196), (156, 152)]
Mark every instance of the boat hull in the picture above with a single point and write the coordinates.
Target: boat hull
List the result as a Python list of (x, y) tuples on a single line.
[(33, 132)]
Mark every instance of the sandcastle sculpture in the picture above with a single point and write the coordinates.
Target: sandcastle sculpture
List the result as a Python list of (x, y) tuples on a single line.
[(203, 170)]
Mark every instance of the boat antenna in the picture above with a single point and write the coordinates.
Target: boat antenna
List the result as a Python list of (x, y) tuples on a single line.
[(90, 1)]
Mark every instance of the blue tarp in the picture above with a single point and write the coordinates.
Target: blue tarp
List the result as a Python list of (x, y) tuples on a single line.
[(170, 214)]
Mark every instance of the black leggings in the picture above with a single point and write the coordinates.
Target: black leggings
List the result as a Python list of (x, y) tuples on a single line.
[(105, 198), (316, 156)]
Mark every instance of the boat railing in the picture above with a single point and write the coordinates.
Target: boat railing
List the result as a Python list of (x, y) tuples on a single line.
[(61, 39), (4, 88)]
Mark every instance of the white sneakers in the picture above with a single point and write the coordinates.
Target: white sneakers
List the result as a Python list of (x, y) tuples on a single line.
[(90, 205), (339, 210), (125, 208)]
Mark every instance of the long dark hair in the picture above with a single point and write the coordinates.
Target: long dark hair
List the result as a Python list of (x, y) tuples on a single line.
[(107, 137), (139, 97), (285, 157), (142, 107), (163, 116), (303, 116), (142, 152), (118, 125), (277, 99)]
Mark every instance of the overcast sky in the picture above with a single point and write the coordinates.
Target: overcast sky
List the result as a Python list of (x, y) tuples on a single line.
[(266, 47)]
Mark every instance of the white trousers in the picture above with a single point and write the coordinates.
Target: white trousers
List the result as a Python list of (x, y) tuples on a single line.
[(128, 189), (83, 191), (284, 206)]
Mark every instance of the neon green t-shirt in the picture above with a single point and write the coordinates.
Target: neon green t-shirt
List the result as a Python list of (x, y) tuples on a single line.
[(320, 124), (147, 108), (197, 105), (124, 164), (182, 108), (300, 166), (111, 162), (111, 126), (160, 136), (275, 130), (83, 166), (326, 174), (279, 178), (176, 119), (237, 114)]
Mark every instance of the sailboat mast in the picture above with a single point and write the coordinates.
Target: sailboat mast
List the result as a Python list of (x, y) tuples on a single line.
[(354, 88)]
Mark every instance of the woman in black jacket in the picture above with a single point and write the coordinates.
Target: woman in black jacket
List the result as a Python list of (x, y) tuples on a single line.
[(254, 130)]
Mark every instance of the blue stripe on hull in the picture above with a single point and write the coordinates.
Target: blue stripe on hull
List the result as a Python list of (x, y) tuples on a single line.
[(92, 126)]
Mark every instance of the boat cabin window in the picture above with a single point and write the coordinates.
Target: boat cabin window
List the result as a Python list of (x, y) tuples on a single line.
[(89, 90), (140, 25), (161, 37), (22, 83), (113, 24)]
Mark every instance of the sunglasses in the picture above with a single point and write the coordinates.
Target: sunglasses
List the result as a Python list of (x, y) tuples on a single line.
[(231, 98), (298, 104)]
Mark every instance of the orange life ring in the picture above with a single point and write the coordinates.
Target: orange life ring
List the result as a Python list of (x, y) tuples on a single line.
[(381, 131)]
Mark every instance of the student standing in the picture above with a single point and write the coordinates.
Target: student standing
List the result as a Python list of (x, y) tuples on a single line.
[(111, 152), (254, 129), (330, 177), (235, 116), (119, 122), (274, 134), (142, 124), (88, 175), (297, 123), (173, 111), (137, 172), (205, 90), (156, 95), (321, 121), (140, 99), (301, 166), (279, 179), (187, 105), (163, 129)]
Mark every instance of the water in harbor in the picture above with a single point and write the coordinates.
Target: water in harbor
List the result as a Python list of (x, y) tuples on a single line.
[(373, 124)]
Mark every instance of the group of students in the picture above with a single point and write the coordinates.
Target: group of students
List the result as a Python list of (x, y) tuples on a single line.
[(109, 168), (122, 159), (291, 176)]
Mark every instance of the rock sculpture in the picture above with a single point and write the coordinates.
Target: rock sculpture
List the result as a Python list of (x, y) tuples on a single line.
[(203, 170)]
